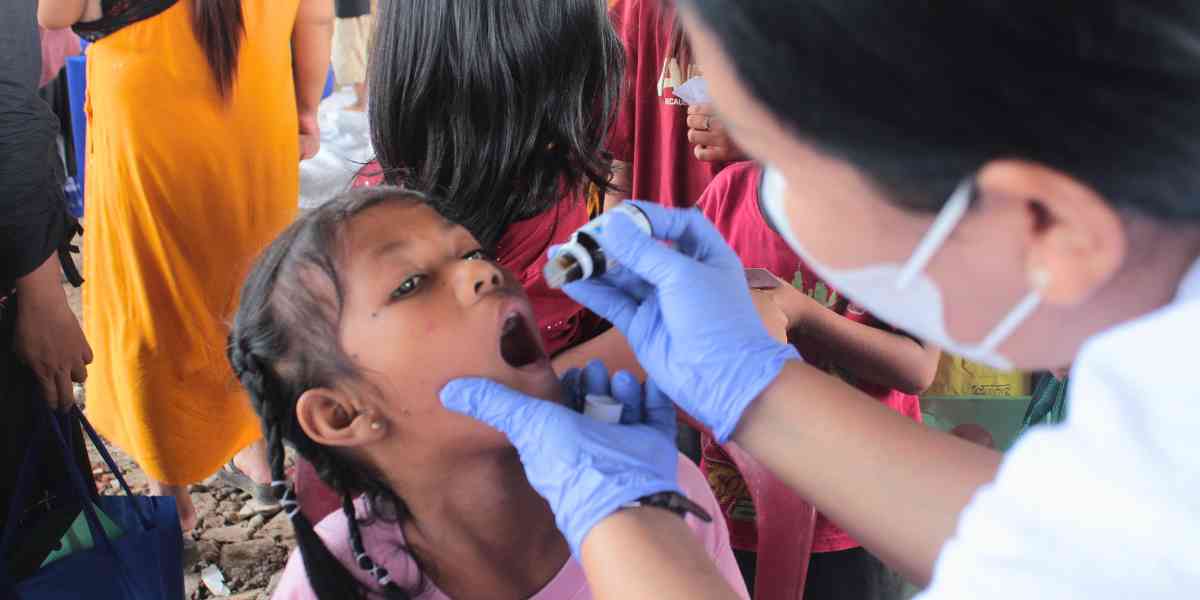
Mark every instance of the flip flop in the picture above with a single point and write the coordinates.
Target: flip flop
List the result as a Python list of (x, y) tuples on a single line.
[(234, 476)]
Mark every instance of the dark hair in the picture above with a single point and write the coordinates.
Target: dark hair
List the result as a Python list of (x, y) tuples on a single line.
[(284, 342), (921, 94), (502, 107), (219, 28)]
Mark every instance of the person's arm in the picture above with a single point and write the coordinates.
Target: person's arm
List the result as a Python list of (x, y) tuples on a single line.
[(311, 39), (806, 412), (57, 14), (48, 336), (650, 553), (885, 358), (620, 185), (610, 348)]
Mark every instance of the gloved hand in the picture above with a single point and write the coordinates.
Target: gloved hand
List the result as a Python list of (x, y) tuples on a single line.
[(688, 314), (585, 469)]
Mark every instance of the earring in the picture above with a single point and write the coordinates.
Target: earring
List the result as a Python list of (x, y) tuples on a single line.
[(376, 425)]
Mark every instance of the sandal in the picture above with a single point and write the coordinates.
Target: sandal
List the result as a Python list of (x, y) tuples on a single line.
[(262, 493)]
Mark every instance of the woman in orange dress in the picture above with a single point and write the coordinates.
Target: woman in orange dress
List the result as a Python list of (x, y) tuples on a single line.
[(197, 113)]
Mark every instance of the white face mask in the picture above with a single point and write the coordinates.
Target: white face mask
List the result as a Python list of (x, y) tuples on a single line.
[(903, 295)]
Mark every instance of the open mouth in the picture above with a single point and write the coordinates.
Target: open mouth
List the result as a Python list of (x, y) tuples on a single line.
[(519, 345)]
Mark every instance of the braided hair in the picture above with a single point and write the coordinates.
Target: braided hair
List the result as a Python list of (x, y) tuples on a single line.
[(282, 343)]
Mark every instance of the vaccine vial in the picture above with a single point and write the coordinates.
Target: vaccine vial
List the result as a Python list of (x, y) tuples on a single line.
[(602, 408), (582, 257)]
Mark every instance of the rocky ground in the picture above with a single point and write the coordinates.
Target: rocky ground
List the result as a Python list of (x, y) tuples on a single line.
[(246, 542)]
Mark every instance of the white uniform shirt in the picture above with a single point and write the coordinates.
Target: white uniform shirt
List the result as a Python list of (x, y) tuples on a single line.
[(1106, 505)]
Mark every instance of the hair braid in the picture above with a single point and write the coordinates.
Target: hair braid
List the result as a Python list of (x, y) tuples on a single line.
[(278, 349)]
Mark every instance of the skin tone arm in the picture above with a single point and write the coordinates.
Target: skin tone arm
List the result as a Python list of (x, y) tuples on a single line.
[(49, 338), (879, 356), (649, 553), (613, 350), (311, 39), (57, 14), (610, 347), (859, 440)]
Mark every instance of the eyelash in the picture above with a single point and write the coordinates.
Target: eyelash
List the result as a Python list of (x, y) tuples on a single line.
[(415, 281)]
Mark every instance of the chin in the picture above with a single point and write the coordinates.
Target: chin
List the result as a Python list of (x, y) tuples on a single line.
[(541, 382)]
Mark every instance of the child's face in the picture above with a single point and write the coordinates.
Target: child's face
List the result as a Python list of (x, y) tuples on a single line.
[(424, 305)]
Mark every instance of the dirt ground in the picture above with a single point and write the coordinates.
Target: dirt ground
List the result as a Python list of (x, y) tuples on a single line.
[(247, 542)]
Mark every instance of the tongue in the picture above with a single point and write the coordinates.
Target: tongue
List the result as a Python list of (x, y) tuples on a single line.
[(517, 346)]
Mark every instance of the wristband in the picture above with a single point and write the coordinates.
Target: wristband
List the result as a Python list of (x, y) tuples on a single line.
[(674, 502)]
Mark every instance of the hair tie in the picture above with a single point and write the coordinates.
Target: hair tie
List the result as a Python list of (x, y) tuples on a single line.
[(365, 563), (287, 499)]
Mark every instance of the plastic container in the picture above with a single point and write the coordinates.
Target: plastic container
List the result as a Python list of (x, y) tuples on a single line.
[(582, 257)]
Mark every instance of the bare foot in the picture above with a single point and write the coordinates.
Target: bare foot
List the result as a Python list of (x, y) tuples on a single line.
[(183, 501), (252, 461)]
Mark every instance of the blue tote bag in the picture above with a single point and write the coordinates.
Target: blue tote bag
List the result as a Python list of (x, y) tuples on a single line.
[(136, 544)]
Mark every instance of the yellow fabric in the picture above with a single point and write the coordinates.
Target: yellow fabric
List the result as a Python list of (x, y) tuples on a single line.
[(183, 189), (959, 377)]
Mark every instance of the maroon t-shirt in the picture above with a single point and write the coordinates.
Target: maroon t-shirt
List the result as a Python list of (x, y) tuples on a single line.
[(651, 127), (732, 204)]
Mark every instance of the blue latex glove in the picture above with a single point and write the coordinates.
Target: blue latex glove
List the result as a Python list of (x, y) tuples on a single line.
[(687, 313), (593, 379), (585, 469)]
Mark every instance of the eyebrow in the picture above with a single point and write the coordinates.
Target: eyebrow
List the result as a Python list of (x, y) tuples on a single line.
[(388, 248), (395, 245)]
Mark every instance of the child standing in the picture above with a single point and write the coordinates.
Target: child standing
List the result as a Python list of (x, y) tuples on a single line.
[(835, 335)]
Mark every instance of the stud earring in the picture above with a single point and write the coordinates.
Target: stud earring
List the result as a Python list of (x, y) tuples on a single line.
[(376, 425)]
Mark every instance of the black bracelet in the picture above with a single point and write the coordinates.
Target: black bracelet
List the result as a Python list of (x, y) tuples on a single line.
[(674, 502)]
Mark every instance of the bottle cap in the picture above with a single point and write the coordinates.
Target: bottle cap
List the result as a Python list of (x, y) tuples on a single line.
[(602, 408), (571, 262)]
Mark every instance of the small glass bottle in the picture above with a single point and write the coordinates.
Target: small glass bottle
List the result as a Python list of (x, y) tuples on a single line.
[(582, 257)]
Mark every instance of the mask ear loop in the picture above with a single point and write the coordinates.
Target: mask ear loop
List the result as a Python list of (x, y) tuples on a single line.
[(947, 219), (1012, 320)]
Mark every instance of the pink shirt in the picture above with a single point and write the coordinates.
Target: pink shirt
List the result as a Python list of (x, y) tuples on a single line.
[(381, 541)]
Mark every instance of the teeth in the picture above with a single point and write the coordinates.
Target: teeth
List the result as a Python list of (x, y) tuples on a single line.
[(511, 323)]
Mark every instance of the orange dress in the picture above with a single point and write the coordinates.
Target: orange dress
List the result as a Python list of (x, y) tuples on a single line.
[(184, 188)]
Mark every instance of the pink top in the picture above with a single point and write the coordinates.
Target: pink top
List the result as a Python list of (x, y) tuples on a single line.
[(381, 541)]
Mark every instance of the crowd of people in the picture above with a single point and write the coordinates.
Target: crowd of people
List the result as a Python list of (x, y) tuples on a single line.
[(859, 188)]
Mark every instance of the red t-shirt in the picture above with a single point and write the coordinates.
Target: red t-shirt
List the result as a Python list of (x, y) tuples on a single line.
[(523, 250), (651, 127), (732, 204)]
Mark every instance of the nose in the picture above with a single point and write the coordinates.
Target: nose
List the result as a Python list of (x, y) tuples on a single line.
[(476, 279)]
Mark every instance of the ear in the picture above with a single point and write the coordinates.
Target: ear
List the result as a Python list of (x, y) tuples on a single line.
[(1076, 241), (329, 418)]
